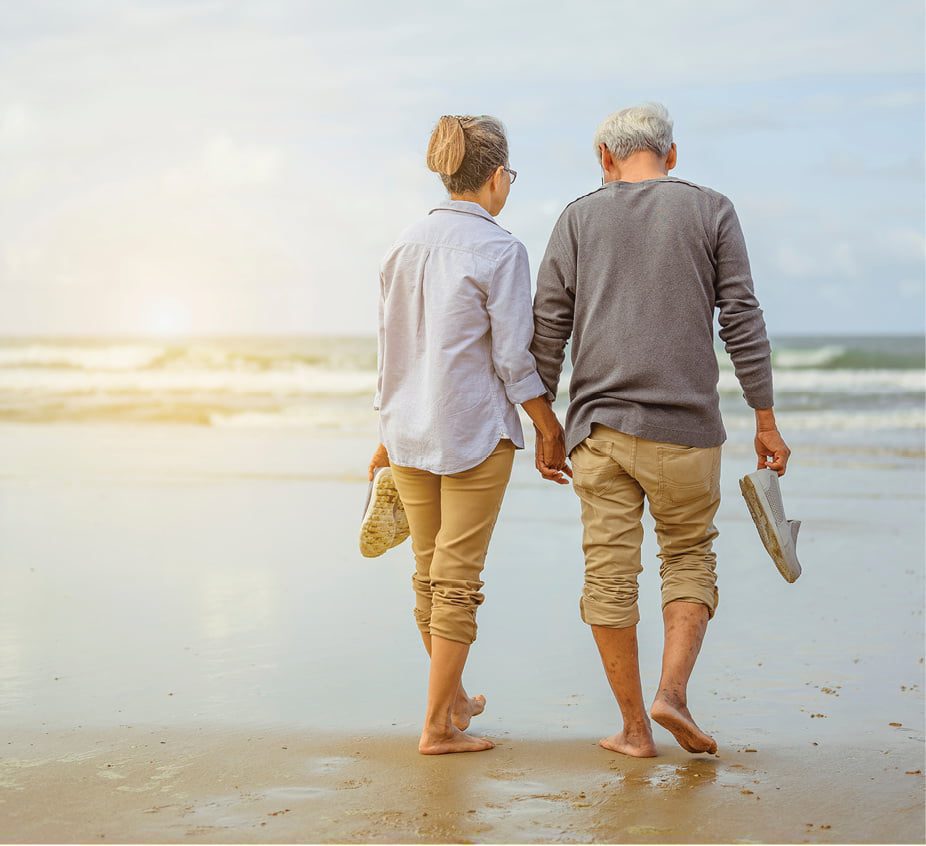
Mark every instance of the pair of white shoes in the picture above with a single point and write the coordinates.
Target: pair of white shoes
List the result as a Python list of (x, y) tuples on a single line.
[(385, 525)]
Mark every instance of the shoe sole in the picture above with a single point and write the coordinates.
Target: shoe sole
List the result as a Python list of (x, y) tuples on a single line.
[(378, 528), (757, 504)]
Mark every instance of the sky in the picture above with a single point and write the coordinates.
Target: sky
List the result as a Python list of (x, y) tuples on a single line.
[(216, 168)]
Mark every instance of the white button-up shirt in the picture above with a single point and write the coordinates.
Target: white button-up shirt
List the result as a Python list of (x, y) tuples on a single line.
[(455, 327)]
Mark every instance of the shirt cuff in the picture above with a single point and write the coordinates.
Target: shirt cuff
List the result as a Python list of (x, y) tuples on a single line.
[(530, 387)]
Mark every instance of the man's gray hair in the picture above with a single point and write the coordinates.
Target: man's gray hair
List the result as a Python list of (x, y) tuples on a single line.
[(644, 127)]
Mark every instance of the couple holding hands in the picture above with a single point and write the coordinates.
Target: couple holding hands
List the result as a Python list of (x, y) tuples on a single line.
[(632, 275)]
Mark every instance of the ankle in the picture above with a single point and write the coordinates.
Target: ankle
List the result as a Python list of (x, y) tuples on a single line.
[(437, 727), (673, 695), (637, 728)]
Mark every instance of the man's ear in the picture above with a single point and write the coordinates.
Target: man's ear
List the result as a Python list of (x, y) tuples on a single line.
[(672, 158), (607, 160)]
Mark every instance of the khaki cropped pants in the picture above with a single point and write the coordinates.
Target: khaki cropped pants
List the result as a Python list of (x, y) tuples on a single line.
[(613, 472), (451, 519)]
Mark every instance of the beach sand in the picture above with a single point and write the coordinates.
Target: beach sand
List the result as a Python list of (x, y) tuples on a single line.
[(172, 784), (192, 649)]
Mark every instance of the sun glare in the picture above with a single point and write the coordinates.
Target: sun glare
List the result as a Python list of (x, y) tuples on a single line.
[(169, 317)]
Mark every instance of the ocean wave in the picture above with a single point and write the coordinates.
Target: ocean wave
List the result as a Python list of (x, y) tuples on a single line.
[(262, 355), (335, 419), (812, 381), (341, 413), (304, 381), (118, 357), (874, 421), (312, 380), (142, 357), (799, 358)]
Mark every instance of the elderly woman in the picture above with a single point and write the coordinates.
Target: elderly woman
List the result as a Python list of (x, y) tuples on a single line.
[(454, 362)]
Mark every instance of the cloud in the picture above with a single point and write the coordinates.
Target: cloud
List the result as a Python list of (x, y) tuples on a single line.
[(824, 260), (15, 124), (903, 243), (252, 161), (226, 163), (229, 163)]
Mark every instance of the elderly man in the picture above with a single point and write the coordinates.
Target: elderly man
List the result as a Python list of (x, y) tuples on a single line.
[(633, 273)]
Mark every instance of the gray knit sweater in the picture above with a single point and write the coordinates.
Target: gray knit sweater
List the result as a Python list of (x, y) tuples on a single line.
[(633, 273)]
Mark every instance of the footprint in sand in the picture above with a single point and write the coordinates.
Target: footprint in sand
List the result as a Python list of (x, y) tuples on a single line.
[(354, 783), (506, 775)]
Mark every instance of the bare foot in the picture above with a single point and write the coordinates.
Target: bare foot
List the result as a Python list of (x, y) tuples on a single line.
[(676, 717), (638, 744), (465, 708), (443, 742)]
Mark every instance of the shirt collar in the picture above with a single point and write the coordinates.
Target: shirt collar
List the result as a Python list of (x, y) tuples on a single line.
[(466, 207)]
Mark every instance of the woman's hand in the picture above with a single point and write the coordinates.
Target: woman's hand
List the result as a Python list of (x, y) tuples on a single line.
[(550, 455), (550, 446), (380, 459)]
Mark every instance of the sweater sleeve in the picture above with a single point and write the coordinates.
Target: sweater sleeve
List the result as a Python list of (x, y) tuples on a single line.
[(554, 308), (742, 324)]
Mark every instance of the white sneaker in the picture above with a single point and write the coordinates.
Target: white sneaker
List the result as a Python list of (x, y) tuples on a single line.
[(384, 523), (779, 535)]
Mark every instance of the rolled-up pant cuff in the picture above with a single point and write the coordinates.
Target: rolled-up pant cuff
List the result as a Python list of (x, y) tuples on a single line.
[(458, 624), (709, 597), (423, 620), (597, 613)]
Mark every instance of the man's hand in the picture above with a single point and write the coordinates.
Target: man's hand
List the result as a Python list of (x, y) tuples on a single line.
[(380, 459), (769, 444), (550, 445), (550, 455)]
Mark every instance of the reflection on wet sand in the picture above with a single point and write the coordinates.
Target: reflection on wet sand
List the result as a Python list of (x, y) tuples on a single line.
[(281, 786), (197, 588)]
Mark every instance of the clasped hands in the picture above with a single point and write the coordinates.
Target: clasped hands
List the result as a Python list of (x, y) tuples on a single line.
[(550, 455)]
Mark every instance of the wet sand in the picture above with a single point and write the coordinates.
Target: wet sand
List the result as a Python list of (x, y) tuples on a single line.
[(176, 784), (192, 649)]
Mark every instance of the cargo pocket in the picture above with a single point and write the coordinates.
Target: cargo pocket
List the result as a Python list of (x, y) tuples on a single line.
[(687, 473)]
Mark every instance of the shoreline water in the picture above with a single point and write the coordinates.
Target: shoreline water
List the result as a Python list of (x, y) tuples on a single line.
[(875, 384)]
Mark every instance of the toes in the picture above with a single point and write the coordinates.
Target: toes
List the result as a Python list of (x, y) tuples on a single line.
[(707, 745)]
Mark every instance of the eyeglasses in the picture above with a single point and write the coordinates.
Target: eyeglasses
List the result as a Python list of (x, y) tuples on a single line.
[(512, 173)]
